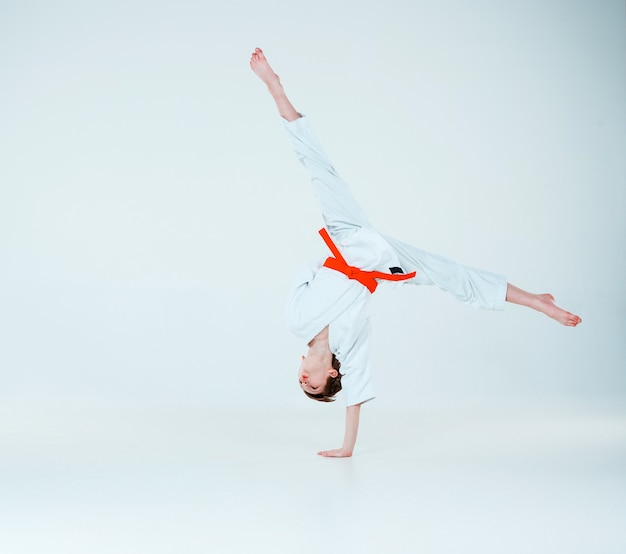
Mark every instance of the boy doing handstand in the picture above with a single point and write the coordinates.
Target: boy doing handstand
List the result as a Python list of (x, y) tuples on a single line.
[(329, 300)]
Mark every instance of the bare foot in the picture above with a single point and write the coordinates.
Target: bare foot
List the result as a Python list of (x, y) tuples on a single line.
[(259, 64), (545, 304)]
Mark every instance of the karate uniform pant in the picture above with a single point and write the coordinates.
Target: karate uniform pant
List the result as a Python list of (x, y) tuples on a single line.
[(342, 215)]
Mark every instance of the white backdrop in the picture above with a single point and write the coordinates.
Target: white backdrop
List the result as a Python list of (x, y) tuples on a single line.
[(152, 212)]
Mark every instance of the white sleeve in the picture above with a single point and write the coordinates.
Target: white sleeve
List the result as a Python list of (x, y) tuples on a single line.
[(349, 341), (298, 317), (305, 274)]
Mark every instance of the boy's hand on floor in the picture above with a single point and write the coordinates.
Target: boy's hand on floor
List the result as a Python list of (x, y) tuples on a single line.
[(337, 453), (349, 440)]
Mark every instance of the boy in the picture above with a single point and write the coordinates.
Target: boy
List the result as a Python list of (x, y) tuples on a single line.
[(328, 304)]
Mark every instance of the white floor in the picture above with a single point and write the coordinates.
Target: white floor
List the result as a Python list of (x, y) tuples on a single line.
[(490, 479)]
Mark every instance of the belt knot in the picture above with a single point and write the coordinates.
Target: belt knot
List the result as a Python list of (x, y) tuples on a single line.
[(367, 278)]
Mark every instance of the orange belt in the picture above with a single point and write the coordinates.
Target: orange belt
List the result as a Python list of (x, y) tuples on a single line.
[(366, 278)]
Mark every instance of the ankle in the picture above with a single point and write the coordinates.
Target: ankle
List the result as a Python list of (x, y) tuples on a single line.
[(276, 89), (538, 303)]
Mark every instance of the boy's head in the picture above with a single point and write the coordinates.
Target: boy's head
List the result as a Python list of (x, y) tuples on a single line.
[(319, 383)]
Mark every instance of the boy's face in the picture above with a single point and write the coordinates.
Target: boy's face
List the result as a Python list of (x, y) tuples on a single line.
[(313, 376)]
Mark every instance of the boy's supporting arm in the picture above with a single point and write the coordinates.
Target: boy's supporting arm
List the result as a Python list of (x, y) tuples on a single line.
[(349, 439)]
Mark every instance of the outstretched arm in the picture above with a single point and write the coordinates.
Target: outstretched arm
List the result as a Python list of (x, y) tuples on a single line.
[(259, 65), (349, 439)]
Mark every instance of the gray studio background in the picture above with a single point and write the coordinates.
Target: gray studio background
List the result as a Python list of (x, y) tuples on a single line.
[(152, 212)]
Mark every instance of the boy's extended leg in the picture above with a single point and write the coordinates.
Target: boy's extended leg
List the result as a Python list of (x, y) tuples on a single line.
[(476, 287), (342, 213)]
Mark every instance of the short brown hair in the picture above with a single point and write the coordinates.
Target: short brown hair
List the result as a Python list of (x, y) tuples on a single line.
[(333, 385)]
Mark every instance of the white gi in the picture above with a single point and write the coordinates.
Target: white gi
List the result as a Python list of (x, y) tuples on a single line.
[(321, 296)]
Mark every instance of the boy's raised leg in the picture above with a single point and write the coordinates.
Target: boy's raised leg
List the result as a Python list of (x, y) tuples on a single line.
[(259, 64)]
